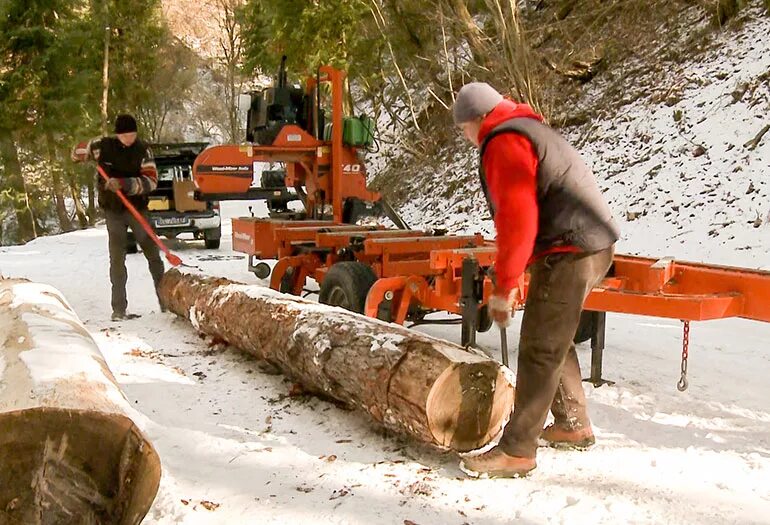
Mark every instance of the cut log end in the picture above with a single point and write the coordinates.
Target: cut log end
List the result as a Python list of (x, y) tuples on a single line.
[(469, 405), (56, 464)]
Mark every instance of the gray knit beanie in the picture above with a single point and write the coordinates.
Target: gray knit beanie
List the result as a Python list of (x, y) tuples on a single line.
[(475, 100)]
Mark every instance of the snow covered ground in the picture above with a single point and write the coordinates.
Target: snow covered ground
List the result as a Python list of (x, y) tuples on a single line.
[(236, 449)]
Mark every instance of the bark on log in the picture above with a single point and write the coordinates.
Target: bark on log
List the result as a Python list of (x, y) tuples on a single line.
[(409, 382), (69, 450)]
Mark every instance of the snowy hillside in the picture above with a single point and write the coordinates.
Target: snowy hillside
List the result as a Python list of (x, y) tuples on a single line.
[(675, 164), (237, 449)]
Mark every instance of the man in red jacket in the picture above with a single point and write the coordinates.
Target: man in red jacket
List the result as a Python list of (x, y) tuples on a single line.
[(550, 216)]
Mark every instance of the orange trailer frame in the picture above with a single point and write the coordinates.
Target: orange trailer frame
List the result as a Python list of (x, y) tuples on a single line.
[(419, 273)]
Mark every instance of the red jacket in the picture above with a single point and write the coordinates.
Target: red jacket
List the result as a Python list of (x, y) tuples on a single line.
[(510, 164)]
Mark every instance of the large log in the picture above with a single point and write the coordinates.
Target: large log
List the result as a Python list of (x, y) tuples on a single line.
[(428, 388), (69, 450)]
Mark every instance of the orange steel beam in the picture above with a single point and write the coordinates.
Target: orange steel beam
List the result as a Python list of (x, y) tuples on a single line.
[(685, 307), (342, 239), (642, 286), (701, 291), (336, 77), (419, 245), (417, 267), (443, 259), (310, 234)]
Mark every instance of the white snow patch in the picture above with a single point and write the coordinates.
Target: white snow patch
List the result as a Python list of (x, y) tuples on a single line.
[(58, 354), (38, 294), (387, 342), (315, 334), (193, 316)]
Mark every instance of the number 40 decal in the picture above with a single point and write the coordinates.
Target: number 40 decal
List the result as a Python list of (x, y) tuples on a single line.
[(351, 168)]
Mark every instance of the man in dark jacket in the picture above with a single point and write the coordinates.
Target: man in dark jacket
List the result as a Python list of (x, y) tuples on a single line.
[(550, 216), (131, 168)]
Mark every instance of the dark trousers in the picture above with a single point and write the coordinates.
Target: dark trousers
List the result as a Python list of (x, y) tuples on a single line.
[(548, 373), (118, 223)]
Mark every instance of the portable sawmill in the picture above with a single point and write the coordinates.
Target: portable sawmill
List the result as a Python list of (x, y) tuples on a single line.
[(400, 275)]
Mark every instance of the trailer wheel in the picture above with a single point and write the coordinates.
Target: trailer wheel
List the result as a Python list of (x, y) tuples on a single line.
[(346, 285), (585, 328), (212, 237)]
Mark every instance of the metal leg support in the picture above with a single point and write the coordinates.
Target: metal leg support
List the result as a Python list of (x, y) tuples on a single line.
[(469, 302), (597, 349)]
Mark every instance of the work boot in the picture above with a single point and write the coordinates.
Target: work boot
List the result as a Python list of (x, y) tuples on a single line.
[(578, 439), (497, 464), (123, 316)]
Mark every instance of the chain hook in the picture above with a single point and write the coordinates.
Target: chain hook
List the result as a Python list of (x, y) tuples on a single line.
[(682, 384)]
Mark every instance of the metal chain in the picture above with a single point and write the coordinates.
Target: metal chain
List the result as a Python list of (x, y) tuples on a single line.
[(682, 384)]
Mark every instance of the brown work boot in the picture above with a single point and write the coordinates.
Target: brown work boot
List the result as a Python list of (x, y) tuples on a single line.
[(559, 437), (497, 464)]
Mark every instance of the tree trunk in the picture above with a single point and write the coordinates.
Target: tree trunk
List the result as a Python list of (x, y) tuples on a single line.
[(430, 389), (104, 108), (472, 33), (58, 191), (91, 202), (80, 211), (106, 69), (69, 449), (14, 181)]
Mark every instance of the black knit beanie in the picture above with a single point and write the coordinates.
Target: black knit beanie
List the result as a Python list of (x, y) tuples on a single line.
[(125, 124)]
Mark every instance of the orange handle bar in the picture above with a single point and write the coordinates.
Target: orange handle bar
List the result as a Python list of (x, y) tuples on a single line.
[(170, 257)]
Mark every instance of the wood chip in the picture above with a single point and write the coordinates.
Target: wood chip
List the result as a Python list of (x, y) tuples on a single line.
[(209, 505)]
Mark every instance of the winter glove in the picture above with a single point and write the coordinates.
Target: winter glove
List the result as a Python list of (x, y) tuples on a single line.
[(501, 305), (112, 184)]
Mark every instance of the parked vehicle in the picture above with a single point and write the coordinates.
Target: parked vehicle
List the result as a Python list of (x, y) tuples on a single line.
[(172, 209)]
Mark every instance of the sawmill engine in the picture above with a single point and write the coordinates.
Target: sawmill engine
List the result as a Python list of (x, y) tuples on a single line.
[(274, 107)]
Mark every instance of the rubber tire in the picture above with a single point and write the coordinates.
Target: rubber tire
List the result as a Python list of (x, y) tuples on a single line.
[(212, 239), (585, 328), (353, 278)]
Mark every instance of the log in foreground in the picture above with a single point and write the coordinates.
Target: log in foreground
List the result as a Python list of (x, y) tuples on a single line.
[(69, 450), (412, 383)]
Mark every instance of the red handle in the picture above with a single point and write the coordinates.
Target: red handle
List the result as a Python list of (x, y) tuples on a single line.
[(170, 257)]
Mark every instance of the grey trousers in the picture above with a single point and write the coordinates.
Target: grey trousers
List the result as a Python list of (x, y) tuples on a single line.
[(548, 373), (118, 223)]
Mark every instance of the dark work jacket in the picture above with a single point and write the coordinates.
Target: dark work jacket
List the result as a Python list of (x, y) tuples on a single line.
[(121, 162)]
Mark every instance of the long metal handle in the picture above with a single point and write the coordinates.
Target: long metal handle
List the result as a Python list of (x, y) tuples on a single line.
[(170, 257), (504, 345)]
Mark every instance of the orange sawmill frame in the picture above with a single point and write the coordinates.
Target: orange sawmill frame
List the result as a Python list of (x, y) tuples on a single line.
[(419, 273), (329, 171), (427, 270)]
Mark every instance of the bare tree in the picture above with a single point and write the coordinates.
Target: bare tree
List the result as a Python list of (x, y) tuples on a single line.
[(230, 60)]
